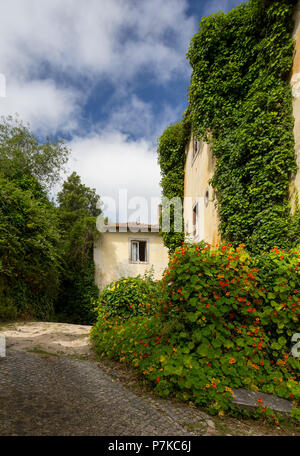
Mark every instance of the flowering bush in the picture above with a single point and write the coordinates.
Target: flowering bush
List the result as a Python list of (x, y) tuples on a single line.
[(226, 321)]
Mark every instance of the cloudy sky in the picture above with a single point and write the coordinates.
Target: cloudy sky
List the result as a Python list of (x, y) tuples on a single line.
[(108, 75)]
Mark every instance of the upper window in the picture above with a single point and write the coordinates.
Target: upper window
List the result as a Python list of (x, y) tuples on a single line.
[(197, 146), (139, 251), (195, 220)]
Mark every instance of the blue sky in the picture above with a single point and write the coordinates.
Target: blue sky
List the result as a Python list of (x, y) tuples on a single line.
[(108, 75)]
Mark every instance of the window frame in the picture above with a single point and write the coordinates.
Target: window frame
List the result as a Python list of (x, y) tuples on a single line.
[(196, 224), (138, 240), (197, 145)]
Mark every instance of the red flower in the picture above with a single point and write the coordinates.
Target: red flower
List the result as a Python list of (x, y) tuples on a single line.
[(157, 380)]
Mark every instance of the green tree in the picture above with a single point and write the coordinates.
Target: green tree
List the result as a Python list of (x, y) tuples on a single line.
[(29, 255), (76, 201), (22, 154), (29, 235), (78, 208)]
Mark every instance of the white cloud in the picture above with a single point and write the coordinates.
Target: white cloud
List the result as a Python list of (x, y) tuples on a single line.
[(80, 36), (42, 104), (53, 52), (94, 39), (109, 162)]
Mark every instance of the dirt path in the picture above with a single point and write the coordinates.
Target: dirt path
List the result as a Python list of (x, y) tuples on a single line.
[(58, 338), (51, 384)]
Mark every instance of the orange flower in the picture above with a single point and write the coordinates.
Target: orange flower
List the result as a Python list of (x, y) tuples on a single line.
[(232, 361)]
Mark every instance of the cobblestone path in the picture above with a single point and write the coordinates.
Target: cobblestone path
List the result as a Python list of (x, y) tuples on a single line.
[(57, 395)]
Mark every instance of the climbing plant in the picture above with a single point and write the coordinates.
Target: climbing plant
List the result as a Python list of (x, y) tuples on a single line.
[(240, 101), (171, 158)]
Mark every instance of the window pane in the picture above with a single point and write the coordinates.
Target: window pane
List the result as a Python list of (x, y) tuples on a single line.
[(143, 250), (134, 251), (195, 219)]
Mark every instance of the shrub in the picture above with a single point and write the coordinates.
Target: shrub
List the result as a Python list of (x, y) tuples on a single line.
[(129, 297), (225, 322), (7, 310)]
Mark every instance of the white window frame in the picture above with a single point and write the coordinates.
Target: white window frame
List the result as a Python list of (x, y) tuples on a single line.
[(137, 240), (196, 224), (197, 146)]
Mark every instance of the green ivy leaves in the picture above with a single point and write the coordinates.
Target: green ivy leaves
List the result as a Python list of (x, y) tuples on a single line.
[(240, 93)]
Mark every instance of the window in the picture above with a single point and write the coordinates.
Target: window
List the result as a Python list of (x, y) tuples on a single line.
[(195, 220), (197, 146), (139, 251)]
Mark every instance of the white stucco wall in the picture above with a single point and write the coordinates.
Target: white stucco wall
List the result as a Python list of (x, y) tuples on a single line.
[(197, 174), (295, 82), (112, 252)]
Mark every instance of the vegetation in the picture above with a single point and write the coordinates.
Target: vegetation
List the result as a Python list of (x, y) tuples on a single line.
[(240, 102), (128, 297), (225, 321), (77, 212), (171, 158), (23, 157), (29, 254), (45, 251)]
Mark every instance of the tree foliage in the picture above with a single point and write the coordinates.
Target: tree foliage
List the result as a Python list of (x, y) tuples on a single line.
[(29, 255), (46, 252), (22, 154), (77, 211)]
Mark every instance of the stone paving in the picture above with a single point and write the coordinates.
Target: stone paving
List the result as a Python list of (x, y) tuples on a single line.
[(43, 394), (50, 384)]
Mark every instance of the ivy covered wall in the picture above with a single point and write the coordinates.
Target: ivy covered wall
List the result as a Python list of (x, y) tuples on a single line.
[(171, 158), (240, 102)]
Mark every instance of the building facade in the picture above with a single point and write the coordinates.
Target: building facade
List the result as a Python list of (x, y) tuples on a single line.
[(295, 82), (200, 215), (201, 220), (130, 250)]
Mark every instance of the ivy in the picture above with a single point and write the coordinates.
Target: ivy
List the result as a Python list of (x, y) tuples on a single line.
[(171, 158), (240, 101)]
